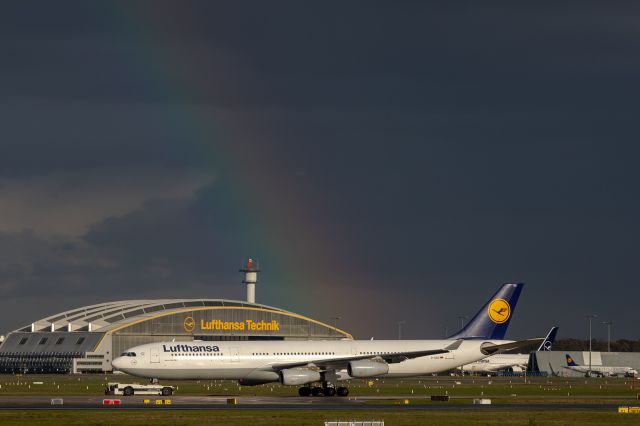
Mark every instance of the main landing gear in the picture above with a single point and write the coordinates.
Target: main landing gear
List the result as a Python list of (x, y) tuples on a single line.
[(324, 390)]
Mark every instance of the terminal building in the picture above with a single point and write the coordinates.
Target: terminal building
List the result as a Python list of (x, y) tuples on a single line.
[(86, 339)]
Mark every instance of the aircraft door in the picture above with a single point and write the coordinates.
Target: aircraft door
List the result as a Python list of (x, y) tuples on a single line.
[(233, 352), (155, 354)]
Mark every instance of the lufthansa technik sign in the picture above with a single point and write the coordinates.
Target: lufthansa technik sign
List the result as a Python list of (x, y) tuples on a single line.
[(248, 325)]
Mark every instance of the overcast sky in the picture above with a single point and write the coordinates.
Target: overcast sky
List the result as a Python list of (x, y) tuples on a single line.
[(384, 161)]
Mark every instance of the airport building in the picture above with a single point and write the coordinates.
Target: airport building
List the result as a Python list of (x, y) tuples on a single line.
[(86, 339)]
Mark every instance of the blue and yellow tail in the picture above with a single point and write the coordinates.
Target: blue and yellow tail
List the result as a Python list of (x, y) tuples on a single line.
[(570, 361), (492, 320)]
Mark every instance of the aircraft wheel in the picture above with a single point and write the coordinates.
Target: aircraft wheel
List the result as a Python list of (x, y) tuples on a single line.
[(317, 391), (128, 391), (304, 391), (167, 391), (329, 391), (342, 391)]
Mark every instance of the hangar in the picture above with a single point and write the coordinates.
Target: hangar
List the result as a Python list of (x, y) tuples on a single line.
[(86, 339)]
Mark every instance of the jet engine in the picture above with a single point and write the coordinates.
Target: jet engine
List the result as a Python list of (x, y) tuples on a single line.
[(253, 382), (258, 377), (367, 368), (298, 376)]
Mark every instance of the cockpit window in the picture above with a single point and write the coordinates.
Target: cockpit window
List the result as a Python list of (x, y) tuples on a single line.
[(128, 354)]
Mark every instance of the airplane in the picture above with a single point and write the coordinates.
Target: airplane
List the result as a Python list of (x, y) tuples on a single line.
[(599, 370), (309, 363), (515, 363)]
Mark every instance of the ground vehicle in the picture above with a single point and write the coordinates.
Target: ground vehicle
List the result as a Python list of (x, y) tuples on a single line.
[(128, 389)]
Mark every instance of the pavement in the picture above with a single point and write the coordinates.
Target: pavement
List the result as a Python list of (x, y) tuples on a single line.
[(272, 403)]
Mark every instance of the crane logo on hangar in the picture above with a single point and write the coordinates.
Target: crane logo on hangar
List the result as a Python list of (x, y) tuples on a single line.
[(189, 324)]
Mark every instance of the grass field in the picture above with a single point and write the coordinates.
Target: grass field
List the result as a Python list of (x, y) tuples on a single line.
[(503, 390), (317, 417), (509, 388)]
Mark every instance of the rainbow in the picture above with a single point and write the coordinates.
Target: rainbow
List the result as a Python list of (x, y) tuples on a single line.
[(300, 252)]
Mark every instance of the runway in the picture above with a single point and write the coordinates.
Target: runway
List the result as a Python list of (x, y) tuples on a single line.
[(390, 403)]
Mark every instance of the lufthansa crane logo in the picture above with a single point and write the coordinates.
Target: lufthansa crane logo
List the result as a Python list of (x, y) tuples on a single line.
[(499, 311), (189, 324)]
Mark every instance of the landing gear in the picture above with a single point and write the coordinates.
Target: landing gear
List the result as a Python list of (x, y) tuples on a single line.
[(342, 391), (330, 391), (304, 391), (326, 389)]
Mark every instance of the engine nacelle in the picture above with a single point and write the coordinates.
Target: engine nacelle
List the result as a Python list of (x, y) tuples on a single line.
[(253, 382), (257, 377), (367, 368), (298, 376)]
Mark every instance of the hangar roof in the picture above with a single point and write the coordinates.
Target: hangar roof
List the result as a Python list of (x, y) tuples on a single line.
[(105, 317)]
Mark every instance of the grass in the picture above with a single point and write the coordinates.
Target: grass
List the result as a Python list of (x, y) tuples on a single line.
[(307, 417), (504, 390), (508, 388)]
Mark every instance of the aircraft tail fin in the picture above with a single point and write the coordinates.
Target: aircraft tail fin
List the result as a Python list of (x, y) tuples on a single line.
[(548, 341), (570, 361), (492, 320)]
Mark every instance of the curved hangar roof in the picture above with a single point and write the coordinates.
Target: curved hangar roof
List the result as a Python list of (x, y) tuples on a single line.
[(113, 316)]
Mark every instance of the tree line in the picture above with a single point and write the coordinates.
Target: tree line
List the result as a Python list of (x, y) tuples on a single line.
[(621, 345)]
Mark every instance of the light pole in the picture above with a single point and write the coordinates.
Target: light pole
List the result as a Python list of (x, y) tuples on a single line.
[(462, 318), (400, 323), (608, 324), (335, 323), (590, 317)]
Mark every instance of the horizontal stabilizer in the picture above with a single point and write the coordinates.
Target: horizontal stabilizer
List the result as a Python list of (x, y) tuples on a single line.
[(455, 345), (491, 349)]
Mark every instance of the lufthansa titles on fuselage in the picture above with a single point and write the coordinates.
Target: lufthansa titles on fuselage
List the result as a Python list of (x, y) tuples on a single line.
[(190, 348)]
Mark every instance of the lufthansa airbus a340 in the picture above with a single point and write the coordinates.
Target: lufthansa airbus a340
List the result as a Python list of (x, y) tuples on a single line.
[(318, 366)]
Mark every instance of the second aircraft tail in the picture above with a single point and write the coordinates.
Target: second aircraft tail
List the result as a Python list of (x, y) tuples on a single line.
[(548, 341)]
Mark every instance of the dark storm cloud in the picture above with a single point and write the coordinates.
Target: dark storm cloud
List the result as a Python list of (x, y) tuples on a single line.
[(446, 145), (418, 55)]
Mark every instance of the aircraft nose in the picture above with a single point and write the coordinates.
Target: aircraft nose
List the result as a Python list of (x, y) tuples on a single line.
[(118, 363)]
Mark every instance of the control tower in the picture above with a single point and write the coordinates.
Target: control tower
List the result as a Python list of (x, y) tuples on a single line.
[(250, 278)]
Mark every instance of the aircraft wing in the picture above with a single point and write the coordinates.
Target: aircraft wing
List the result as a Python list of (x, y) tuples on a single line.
[(341, 363), (491, 349)]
